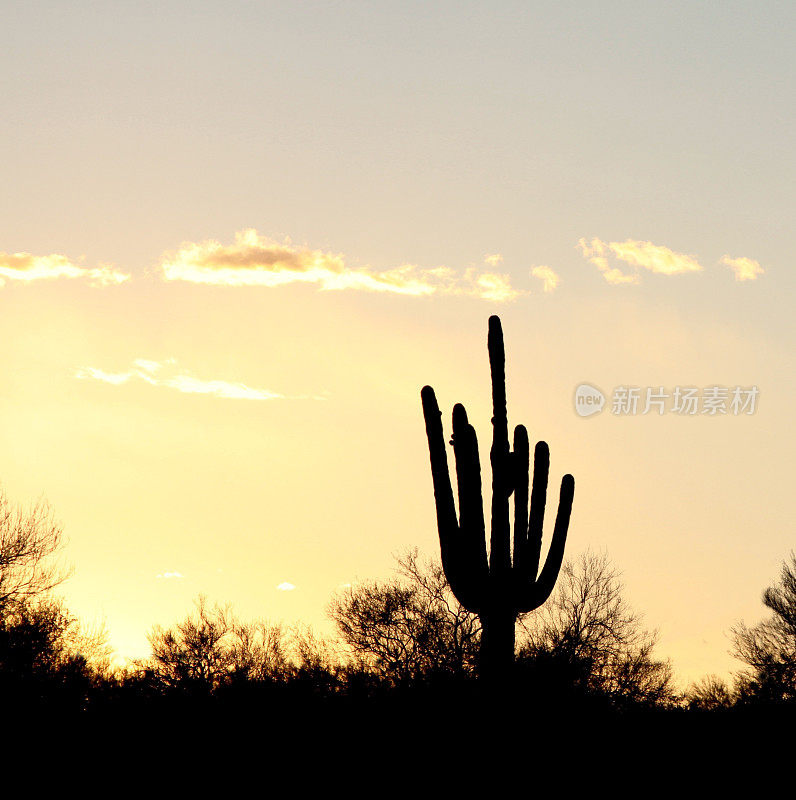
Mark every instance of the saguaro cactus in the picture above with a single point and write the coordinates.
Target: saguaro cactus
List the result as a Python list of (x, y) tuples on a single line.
[(500, 588)]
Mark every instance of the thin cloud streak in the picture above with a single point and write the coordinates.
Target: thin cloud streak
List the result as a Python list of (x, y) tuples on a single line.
[(149, 372), (255, 260), (25, 268), (745, 269), (645, 255)]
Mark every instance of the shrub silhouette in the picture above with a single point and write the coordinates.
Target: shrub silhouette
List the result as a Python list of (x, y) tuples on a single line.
[(41, 668), (211, 649)]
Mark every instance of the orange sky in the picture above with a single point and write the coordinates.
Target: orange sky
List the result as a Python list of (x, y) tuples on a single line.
[(226, 274)]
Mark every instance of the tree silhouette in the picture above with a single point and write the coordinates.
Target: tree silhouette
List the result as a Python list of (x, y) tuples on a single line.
[(501, 588), (769, 648), (47, 661), (29, 541), (597, 644), (410, 628)]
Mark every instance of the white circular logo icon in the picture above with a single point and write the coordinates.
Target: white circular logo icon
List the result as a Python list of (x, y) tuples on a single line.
[(588, 400)]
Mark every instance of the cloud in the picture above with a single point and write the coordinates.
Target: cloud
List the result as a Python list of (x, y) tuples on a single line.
[(115, 378), (286, 587), (547, 276), (152, 372), (595, 252), (488, 286), (646, 255), (653, 257), (493, 260), (167, 575), (26, 268), (745, 269), (255, 260)]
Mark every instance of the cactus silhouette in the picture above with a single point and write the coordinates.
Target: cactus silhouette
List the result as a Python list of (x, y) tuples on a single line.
[(500, 588)]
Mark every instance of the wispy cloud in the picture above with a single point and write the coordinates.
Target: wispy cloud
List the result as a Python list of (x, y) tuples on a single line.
[(745, 269), (644, 255), (548, 277), (595, 251), (654, 257), (493, 259), (486, 286), (254, 260), (169, 575), (285, 587), (25, 267), (166, 374)]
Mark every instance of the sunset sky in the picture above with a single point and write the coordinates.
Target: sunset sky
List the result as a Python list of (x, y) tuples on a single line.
[(237, 238)]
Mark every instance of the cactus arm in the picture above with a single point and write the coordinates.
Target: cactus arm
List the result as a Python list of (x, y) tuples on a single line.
[(500, 546), (447, 524), (521, 468), (541, 471), (547, 579), (471, 507)]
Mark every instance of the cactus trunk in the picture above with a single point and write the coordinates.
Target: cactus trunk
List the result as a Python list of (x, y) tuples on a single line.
[(497, 644)]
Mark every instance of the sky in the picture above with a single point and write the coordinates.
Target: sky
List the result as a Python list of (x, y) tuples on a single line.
[(236, 239)]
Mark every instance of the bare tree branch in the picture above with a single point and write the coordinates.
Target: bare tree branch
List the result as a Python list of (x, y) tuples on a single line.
[(589, 627), (410, 627), (769, 648), (29, 542)]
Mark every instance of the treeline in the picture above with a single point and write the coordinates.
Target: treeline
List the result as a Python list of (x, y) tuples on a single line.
[(401, 643)]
